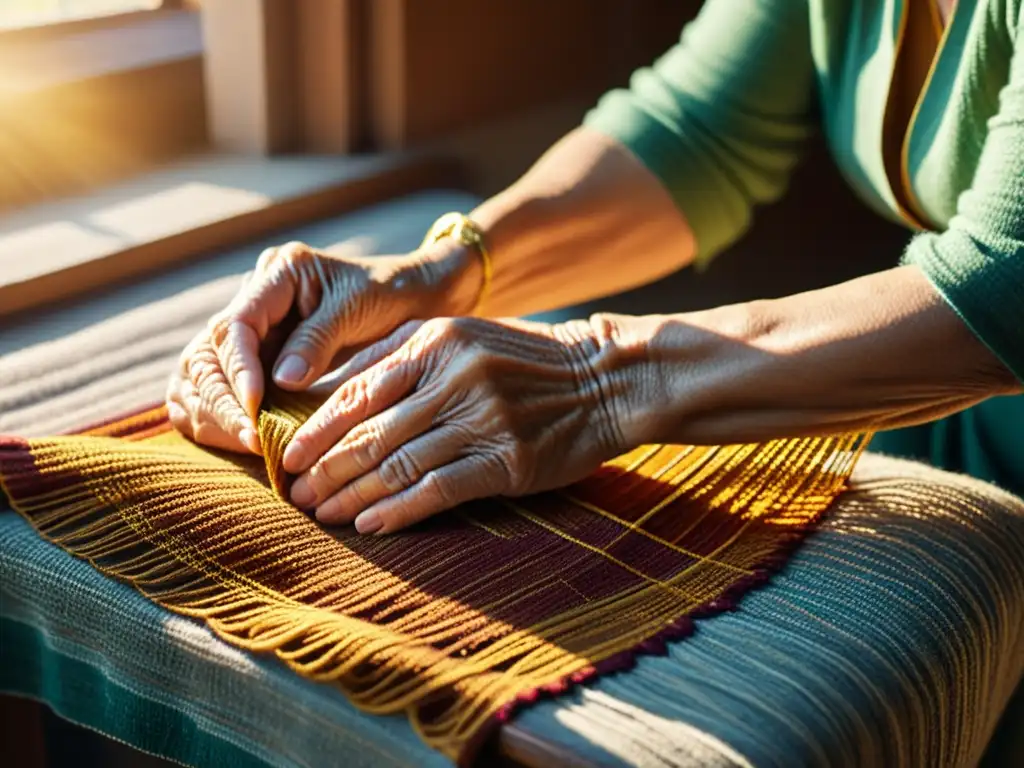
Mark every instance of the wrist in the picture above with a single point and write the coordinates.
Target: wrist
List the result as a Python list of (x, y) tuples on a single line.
[(619, 376), (669, 376), (445, 276)]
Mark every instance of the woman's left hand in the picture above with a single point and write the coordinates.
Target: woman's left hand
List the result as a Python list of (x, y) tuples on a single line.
[(450, 410)]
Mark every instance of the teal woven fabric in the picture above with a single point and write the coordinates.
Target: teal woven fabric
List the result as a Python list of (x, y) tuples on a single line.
[(887, 641), (894, 637), (103, 656)]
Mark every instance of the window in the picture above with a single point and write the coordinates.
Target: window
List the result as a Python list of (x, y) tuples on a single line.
[(16, 14), (86, 101)]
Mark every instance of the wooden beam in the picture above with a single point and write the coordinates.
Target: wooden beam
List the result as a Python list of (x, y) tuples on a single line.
[(249, 69), (284, 76), (332, 77)]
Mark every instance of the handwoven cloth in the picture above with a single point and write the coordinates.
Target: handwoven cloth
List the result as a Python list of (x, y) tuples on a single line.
[(456, 621)]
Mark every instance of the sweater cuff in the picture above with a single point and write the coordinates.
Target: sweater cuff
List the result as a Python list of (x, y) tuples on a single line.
[(982, 285)]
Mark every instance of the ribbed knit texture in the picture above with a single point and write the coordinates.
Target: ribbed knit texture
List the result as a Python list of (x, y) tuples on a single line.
[(458, 621), (978, 261)]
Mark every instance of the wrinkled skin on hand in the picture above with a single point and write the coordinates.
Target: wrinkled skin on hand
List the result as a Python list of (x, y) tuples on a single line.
[(450, 410), (342, 304)]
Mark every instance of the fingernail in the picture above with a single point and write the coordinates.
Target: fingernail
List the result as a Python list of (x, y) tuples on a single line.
[(248, 394), (303, 494), (329, 512), (292, 370), (369, 522), (250, 440), (293, 458)]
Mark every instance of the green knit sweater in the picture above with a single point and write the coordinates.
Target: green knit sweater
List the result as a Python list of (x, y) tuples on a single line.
[(721, 119)]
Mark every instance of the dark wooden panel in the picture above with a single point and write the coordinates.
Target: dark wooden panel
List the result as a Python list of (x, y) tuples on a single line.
[(440, 66), (21, 733)]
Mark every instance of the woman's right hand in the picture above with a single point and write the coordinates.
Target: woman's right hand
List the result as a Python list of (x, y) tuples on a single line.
[(342, 303)]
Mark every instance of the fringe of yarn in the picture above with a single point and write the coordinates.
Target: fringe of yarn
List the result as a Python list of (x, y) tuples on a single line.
[(201, 537)]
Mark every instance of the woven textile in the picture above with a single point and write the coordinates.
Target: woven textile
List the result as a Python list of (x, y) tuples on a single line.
[(816, 668), (893, 635), (460, 620)]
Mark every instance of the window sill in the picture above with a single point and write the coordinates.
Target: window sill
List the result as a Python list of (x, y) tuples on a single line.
[(81, 109), (34, 59), (53, 251)]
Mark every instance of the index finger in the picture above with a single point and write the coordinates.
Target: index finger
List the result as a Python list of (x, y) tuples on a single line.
[(358, 399), (263, 301)]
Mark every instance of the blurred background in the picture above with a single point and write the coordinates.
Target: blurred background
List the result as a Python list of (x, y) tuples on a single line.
[(25, 13)]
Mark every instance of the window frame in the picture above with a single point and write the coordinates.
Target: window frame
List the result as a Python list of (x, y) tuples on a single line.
[(49, 30), (88, 86)]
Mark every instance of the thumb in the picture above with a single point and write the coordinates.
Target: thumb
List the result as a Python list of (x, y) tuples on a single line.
[(307, 354)]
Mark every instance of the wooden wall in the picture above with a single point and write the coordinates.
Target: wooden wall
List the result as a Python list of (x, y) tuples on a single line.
[(347, 75), (441, 66)]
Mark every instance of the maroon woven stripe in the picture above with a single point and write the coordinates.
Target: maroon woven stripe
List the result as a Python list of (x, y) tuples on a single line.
[(127, 423)]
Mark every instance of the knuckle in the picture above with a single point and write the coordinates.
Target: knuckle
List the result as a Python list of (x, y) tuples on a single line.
[(449, 337), (203, 369), (438, 488), (399, 471), (517, 461), (266, 258), (322, 476), (349, 398), (367, 449), (435, 329), (190, 351), (358, 498), (219, 327), (222, 404), (294, 251)]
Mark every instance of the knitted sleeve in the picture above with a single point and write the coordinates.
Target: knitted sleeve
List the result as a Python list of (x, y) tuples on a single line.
[(977, 264), (721, 117)]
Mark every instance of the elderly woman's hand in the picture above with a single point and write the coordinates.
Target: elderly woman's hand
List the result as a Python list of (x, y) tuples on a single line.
[(451, 410), (342, 303)]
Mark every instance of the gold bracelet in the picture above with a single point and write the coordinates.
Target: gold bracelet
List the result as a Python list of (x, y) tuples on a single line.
[(466, 231)]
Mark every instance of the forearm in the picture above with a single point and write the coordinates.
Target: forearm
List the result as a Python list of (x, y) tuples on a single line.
[(587, 220), (878, 352)]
